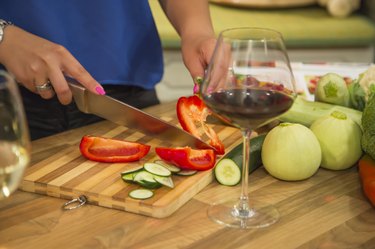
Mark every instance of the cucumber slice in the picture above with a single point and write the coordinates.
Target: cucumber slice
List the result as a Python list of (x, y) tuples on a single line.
[(170, 167), (149, 185), (146, 179), (156, 169), (186, 172), (227, 172), (165, 180), (141, 194), (144, 176), (129, 177), (131, 170)]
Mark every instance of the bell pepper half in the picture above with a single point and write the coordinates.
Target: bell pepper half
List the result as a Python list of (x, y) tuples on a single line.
[(110, 150), (192, 114), (188, 158)]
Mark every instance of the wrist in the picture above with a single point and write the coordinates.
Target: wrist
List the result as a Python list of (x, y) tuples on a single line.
[(3, 25)]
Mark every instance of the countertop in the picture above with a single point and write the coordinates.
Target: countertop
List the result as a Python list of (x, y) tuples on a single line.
[(328, 210)]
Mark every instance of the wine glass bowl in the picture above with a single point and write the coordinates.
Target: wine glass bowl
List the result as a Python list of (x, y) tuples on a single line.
[(14, 136), (248, 83)]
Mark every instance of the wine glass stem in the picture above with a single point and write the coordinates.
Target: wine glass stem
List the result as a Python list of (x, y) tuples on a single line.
[(242, 209)]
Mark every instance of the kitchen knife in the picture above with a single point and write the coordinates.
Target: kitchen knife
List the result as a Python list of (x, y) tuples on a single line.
[(131, 117)]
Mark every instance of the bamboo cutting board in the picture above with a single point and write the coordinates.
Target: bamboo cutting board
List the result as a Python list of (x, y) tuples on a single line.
[(64, 173)]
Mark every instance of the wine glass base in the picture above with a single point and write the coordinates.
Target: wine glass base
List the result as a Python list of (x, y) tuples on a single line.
[(257, 216)]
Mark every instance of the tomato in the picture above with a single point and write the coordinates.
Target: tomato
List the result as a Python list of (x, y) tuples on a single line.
[(192, 114), (109, 150), (188, 158)]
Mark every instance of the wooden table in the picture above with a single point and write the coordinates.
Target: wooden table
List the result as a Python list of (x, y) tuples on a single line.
[(328, 210)]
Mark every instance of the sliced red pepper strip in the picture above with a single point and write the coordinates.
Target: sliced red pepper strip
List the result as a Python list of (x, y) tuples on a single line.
[(188, 158), (366, 167), (110, 150), (192, 114)]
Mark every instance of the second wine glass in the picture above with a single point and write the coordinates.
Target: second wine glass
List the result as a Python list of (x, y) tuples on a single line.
[(248, 83), (14, 136)]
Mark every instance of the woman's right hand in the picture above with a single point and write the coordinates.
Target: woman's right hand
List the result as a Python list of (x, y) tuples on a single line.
[(34, 61)]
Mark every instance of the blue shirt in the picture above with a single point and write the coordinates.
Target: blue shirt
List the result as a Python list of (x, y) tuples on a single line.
[(115, 40)]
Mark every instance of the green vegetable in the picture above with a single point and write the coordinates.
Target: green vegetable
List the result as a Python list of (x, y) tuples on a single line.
[(164, 180), (128, 177), (340, 140), (368, 124), (172, 168), (186, 172), (146, 179), (306, 112), (150, 175), (361, 89), (332, 89), (132, 169), (227, 172), (291, 152), (255, 153), (141, 194), (157, 169), (357, 96), (234, 158)]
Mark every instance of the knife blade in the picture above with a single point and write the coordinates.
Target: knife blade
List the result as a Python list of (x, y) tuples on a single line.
[(133, 118)]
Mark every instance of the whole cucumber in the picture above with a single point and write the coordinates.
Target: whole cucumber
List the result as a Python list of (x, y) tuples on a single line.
[(255, 153)]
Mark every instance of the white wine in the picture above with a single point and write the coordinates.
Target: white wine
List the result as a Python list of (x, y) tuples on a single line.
[(13, 161)]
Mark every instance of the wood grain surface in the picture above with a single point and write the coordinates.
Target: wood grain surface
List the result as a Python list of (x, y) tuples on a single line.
[(328, 210), (67, 174)]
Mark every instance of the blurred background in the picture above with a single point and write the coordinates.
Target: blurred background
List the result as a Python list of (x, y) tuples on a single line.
[(315, 31)]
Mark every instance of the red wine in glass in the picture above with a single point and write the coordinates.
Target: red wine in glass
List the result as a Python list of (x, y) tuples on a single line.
[(250, 107)]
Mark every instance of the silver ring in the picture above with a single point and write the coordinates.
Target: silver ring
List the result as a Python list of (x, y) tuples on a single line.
[(45, 87)]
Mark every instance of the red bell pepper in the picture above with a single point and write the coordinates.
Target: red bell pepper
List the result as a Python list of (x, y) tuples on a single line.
[(366, 167), (188, 158), (192, 114), (109, 150)]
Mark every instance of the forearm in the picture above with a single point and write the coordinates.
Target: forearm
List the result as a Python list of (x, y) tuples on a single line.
[(190, 18)]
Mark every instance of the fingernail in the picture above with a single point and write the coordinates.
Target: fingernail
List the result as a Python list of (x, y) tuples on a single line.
[(198, 80), (196, 89), (100, 90)]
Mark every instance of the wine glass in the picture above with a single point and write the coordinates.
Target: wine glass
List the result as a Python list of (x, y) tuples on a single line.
[(248, 83), (14, 136)]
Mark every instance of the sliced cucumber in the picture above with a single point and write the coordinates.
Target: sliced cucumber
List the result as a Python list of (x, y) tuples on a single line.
[(156, 169), (141, 194), (227, 172), (146, 179), (129, 177), (144, 175), (149, 185), (165, 180), (186, 172), (131, 170), (170, 167)]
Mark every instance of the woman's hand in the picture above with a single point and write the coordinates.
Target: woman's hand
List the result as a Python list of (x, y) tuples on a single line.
[(35, 61), (191, 19), (196, 53)]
